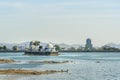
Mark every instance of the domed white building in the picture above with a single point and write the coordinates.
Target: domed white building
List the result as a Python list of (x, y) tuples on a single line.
[(49, 48), (49, 45)]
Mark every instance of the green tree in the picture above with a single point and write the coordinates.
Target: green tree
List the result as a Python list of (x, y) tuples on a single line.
[(36, 43), (1, 47), (4, 48), (108, 48), (57, 47), (15, 48), (40, 47), (72, 49)]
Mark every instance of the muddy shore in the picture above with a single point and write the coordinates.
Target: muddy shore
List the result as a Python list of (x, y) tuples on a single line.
[(6, 61), (29, 72)]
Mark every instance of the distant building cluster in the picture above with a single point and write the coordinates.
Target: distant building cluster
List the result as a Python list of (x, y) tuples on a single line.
[(51, 47), (88, 47)]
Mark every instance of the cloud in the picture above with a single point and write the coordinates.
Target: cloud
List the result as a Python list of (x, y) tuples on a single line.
[(61, 5), (63, 8), (56, 6), (16, 5)]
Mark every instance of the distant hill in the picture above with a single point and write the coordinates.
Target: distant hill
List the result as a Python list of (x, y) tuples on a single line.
[(62, 45), (22, 46), (8, 45), (113, 45)]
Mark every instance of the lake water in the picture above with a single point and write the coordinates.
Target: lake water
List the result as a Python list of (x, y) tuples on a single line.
[(84, 66)]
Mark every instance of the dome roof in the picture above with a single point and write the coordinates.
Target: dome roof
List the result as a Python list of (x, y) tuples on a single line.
[(49, 45)]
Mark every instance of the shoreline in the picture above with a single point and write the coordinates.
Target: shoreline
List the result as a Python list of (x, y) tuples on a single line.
[(90, 51), (29, 72), (59, 51)]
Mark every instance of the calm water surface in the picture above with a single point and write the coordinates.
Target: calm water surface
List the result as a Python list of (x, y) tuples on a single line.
[(84, 66)]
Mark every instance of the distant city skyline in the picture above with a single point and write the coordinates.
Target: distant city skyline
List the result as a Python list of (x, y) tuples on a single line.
[(63, 21)]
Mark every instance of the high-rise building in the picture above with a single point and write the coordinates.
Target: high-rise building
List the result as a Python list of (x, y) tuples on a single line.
[(88, 45)]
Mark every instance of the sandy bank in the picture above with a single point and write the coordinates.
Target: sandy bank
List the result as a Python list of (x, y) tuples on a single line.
[(6, 61), (30, 72)]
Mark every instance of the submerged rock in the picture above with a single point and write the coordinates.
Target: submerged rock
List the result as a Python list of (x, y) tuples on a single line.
[(49, 62), (97, 61), (6, 61)]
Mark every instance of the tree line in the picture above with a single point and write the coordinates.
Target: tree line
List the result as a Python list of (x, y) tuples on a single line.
[(4, 48)]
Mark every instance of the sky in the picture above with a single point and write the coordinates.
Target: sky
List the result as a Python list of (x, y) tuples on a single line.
[(60, 21)]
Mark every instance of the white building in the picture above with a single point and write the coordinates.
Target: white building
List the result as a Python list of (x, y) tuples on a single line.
[(49, 48)]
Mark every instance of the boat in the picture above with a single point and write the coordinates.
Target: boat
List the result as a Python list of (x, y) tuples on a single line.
[(48, 50)]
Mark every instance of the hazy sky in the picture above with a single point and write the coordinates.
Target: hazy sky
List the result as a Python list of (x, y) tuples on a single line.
[(67, 21)]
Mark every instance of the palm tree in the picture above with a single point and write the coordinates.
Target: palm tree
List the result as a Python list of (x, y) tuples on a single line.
[(36, 43)]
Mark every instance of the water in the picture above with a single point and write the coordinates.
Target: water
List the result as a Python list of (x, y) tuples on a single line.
[(84, 66)]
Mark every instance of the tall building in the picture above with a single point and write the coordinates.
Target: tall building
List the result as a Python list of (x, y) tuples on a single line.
[(88, 45)]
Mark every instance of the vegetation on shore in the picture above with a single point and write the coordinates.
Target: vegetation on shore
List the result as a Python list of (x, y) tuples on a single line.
[(105, 48), (3, 48), (100, 49)]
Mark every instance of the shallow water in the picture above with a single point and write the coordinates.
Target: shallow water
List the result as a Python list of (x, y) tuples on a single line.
[(84, 66)]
